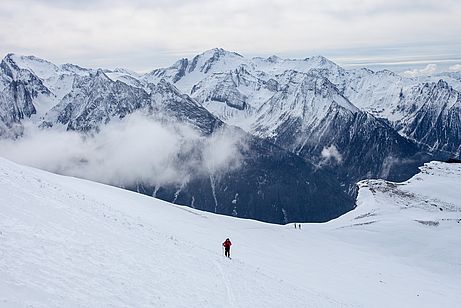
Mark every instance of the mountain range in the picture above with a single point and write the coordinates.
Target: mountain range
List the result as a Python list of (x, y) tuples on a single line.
[(311, 128)]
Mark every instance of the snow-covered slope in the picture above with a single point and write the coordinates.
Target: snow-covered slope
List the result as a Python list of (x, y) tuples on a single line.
[(66, 242), (431, 198)]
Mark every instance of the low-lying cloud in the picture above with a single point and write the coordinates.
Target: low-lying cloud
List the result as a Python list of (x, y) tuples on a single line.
[(455, 68), (136, 149), (331, 155), (426, 71)]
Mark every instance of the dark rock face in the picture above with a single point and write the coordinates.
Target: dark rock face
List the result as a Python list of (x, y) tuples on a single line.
[(435, 120), (19, 88), (369, 148), (226, 92), (182, 66), (94, 100), (271, 185), (166, 99), (18, 100)]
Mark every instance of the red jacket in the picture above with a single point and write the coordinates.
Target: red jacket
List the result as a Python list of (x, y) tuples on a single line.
[(227, 244)]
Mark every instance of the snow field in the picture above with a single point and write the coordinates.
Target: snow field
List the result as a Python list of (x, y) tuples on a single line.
[(67, 242)]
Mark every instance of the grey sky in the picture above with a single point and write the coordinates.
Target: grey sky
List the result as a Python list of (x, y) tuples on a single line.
[(142, 34)]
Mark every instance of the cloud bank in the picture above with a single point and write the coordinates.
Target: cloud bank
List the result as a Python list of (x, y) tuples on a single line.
[(134, 150), (455, 68), (426, 71)]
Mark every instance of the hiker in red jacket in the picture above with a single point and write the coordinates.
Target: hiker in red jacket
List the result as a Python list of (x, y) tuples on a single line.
[(227, 244)]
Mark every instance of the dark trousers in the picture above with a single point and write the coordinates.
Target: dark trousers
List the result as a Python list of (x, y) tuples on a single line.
[(227, 251)]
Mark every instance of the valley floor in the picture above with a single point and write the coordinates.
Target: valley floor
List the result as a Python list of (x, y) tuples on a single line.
[(66, 242)]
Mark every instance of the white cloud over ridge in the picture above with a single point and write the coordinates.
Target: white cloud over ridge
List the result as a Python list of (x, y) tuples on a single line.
[(331, 155), (133, 150), (455, 68), (430, 69)]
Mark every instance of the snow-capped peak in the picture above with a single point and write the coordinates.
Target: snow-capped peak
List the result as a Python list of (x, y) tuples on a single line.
[(100, 74), (213, 60), (40, 67), (126, 71), (164, 86), (274, 59), (320, 61), (218, 52), (75, 69)]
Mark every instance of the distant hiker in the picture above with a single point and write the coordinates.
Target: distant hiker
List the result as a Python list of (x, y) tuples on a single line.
[(295, 226), (227, 244), (299, 227)]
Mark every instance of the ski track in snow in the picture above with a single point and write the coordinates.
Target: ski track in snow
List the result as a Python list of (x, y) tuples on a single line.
[(230, 293), (66, 242)]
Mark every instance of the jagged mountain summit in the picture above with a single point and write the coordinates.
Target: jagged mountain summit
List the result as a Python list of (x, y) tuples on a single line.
[(311, 129)]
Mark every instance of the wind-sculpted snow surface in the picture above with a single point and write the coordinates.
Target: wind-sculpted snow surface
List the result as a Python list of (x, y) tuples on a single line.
[(67, 242)]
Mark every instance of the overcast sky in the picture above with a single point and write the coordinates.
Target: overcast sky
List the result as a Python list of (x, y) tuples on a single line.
[(145, 34)]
